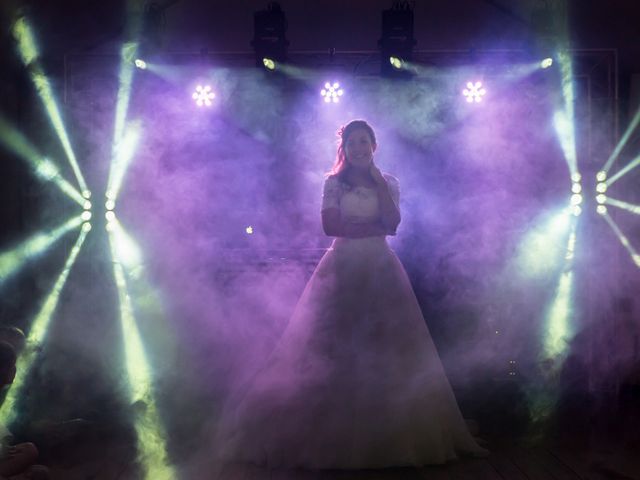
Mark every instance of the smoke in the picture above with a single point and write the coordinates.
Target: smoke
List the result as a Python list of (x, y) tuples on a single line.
[(224, 204)]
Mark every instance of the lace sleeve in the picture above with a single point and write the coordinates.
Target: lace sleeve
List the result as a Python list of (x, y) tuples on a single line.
[(394, 188), (331, 193)]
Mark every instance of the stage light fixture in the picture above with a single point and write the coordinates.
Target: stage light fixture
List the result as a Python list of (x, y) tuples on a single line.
[(601, 187), (576, 199), (576, 210), (601, 209), (269, 64), (249, 230), (576, 177), (86, 194), (546, 63), (601, 176), (397, 39), (110, 216), (331, 92), (203, 95), (474, 92), (601, 198), (87, 205), (269, 34), (395, 62), (141, 64), (576, 188), (110, 204), (86, 216), (86, 227)]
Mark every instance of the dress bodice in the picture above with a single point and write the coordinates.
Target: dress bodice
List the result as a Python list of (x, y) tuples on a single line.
[(357, 204)]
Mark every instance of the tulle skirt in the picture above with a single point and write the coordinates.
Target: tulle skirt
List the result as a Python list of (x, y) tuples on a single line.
[(355, 381)]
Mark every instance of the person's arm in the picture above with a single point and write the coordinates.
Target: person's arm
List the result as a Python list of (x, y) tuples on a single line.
[(335, 226), (389, 211)]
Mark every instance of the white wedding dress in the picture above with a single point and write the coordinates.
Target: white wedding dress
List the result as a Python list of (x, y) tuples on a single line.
[(355, 381)]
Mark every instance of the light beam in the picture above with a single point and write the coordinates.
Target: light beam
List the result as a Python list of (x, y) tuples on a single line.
[(630, 166), (629, 207), (12, 260), (623, 141), (149, 430), (29, 54), (42, 167), (37, 333), (623, 239)]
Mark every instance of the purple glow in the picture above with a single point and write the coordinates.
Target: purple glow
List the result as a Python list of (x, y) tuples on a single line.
[(203, 95), (474, 92)]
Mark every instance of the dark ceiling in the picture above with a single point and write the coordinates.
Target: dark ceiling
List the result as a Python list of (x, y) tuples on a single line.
[(193, 25)]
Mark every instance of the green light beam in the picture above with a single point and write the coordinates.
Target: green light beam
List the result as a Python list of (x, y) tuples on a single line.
[(558, 330), (149, 430), (629, 207), (122, 158), (564, 121), (623, 141), (29, 54), (12, 260), (38, 333), (127, 68), (623, 239), (630, 166), (43, 168)]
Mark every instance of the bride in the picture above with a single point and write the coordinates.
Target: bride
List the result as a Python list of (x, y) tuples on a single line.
[(355, 381)]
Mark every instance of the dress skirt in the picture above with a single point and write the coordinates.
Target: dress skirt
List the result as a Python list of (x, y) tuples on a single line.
[(355, 381)]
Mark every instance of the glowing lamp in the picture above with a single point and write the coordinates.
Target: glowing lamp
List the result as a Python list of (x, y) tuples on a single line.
[(203, 96), (546, 63), (474, 92), (331, 92), (269, 64)]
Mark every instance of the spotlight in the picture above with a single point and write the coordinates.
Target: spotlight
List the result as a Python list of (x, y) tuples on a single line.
[(576, 210), (110, 216), (576, 177), (601, 209), (576, 188), (331, 92), (397, 39), (86, 216), (110, 204), (249, 230), (110, 195), (474, 92), (86, 226), (546, 63), (601, 198), (395, 62), (269, 34), (601, 187), (87, 205), (601, 176), (203, 95), (269, 64), (141, 64), (576, 199), (86, 194)]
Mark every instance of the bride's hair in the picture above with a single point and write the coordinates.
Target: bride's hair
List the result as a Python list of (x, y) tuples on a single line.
[(343, 135)]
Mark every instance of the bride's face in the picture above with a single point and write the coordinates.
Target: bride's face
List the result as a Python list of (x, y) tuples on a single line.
[(359, 148)]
